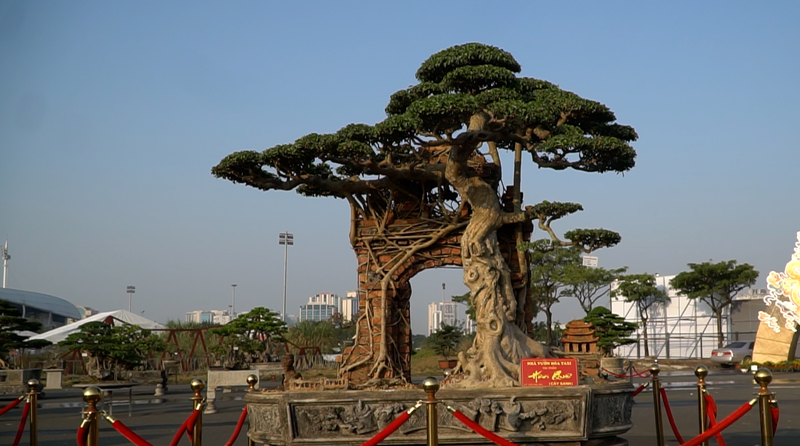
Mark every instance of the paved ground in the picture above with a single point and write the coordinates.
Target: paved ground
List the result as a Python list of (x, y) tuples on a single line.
[(157, 419)]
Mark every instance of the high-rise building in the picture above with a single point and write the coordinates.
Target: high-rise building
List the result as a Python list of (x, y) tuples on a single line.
[(322, 307), (218, 317), (434, 317), (449, 313)]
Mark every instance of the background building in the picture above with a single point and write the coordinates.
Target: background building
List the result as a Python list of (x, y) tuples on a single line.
[(680, 328), (210, 317), (48, 310), (320, 307), (434, 317), (448, 313)]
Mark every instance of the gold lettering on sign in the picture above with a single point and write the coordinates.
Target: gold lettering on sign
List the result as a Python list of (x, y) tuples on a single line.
[(537, 375)]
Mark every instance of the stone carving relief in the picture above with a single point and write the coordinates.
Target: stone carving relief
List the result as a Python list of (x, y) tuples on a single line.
[(610, 411), (524, 416), (265, 419), (357, 419)]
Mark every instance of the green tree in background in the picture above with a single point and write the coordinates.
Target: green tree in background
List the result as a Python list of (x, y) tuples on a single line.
[(611, 329), (549, 263), (322, 334), (541, 331), (642, 290), (256, 333), (445, 340), (113, 349), (11, 321), (715, 284), (589, 284)]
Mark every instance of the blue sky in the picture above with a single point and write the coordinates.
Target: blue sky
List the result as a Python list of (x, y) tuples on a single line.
[(113, 113)]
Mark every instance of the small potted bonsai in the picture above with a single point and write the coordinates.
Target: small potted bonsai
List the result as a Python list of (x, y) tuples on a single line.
[(613, 331), (444, 342)]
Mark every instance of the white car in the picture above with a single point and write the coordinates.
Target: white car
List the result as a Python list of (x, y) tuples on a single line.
[(739, 352)]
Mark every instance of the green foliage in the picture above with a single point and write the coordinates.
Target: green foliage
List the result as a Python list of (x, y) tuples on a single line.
[(589, 284), (464, 299), (548, 271), (611, 329), (445, 340), (121, 347), (559, 130), (255, 332), (716, 284), (642, 290), (11, 321), (542, 332), (322, 334)]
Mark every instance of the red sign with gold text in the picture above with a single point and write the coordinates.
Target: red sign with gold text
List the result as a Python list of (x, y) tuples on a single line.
[(547, 372)]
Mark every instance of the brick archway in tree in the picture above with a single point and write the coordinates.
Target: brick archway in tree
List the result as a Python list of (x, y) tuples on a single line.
[(358, 360)]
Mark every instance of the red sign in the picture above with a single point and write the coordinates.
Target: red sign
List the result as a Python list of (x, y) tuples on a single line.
[(546, 372)]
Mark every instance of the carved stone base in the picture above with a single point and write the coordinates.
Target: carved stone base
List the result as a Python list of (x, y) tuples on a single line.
[(582, 415)]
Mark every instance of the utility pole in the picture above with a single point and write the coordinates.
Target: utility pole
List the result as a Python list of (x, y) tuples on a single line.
[(285, 239), (6, 258)]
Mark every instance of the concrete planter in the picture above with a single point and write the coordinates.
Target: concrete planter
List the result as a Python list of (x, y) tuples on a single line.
[(580, 415)]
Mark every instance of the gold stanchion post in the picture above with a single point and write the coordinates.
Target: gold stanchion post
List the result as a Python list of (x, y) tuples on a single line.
[(654, 369), (431, 385), (252, 380), (33, 385), (701, 372), (763, 377), (92, 395), (197, 402)]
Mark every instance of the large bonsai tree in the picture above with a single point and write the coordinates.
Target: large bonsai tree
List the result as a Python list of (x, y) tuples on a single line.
[(255, 333), (439, 149)]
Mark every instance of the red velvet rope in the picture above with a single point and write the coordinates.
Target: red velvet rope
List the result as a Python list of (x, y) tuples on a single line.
[(239, 427), (21, 427), (388, 429), (177, 438), (11, 405), (639, 390), (730, 419), (83, 432), (776, 413), (129, 434), (712, 421), (711, 405), (672, 424), (491, 436)]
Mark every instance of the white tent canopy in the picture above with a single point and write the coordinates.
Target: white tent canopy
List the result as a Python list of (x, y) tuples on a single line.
[(118, 316)]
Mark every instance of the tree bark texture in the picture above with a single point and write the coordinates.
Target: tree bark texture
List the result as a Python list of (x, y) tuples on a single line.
[(499, 345)]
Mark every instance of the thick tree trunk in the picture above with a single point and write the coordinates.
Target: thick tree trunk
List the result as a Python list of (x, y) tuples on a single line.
[(646, 343), (720, 337), (495, 356), (549, 326)]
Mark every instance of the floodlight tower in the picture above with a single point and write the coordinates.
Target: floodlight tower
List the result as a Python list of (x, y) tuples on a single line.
[(233, 303), (6, 258), (286, 239), (130, 291)]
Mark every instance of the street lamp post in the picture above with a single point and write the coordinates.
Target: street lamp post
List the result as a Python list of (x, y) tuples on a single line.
[(286, 239), (131, 290), (233, 303)]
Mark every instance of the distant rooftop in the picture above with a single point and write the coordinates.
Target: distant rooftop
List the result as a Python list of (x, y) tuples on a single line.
[(45, 302)]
